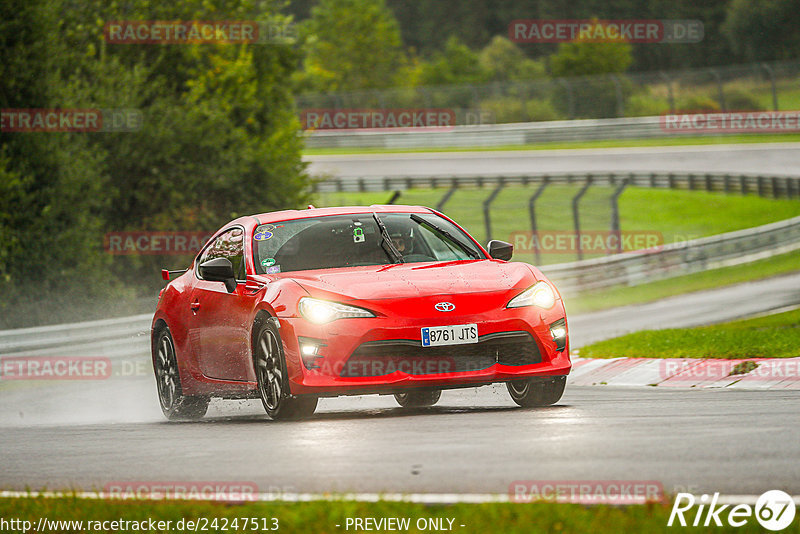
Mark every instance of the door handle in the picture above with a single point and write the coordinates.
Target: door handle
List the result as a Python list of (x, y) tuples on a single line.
[(195, 305)]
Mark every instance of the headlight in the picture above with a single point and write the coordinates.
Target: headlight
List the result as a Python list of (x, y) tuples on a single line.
[(539, 294), (322, 311)]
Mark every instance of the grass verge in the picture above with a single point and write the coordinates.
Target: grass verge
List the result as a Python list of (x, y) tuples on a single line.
[(772, 336), (605, 143), (623, 296), (322, 516)]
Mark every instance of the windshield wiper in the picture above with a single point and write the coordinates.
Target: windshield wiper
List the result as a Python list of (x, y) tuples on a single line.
[(386, 242), (416, 218)]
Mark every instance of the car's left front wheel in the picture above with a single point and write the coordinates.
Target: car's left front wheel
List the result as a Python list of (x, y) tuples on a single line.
[(271, 376), (174, 404)]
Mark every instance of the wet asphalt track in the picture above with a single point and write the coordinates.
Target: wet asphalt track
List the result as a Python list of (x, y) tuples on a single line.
[(89, 434), (766, 158)]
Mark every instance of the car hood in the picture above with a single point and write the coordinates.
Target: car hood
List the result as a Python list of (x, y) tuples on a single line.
[(411, 280)]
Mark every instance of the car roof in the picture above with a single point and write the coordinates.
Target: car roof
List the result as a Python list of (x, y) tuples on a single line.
[(287, 215)]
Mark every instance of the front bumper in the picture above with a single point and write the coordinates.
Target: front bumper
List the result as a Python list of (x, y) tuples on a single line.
[(385, 355)]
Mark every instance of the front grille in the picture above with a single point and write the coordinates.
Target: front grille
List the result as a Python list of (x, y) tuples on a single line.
[(379, 358)]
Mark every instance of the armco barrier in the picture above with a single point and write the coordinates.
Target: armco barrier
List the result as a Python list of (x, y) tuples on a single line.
[(677, 259), (773, 186), (489, 135)]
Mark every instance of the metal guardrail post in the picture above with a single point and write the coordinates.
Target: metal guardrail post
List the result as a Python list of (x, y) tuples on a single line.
[(670, 95), (576, 216), (570, 97), (620, 96), (532, 212), (486, 204), (615, 226), (771, 74), (446, 197), (717, 77)]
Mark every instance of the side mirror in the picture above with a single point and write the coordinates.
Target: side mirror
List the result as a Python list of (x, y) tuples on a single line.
[(500, 250), (219, 270)]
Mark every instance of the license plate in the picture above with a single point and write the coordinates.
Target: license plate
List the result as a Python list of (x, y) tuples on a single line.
[(460, 334)]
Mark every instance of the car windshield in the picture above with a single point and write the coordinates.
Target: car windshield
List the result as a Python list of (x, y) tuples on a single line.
[(352, 240)]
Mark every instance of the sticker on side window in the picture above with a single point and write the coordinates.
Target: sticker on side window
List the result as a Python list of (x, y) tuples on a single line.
[(263, 235)]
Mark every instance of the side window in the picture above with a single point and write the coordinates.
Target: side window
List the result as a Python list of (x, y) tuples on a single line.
[(229, 245)]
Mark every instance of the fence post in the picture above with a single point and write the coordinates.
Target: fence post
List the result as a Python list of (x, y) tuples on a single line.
[(570, 97), (615, 227), (576, 216), (670, 96), (532, 213), (447, 195), (771, 74), (486, 204), (620, 98), (717, 77)]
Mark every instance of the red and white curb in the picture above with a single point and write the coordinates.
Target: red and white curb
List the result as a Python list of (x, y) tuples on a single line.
[(761, 373)]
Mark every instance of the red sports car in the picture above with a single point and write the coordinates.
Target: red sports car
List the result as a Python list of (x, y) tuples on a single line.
[(295, 305)]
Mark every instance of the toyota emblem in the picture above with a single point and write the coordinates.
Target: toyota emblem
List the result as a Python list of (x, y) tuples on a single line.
[(445, 306)]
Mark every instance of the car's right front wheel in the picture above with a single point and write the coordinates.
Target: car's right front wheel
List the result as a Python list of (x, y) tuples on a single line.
[(537, 391), (270, 371)]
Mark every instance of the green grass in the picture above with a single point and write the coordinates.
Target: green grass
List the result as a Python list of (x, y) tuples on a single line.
[(623, 296), (676, 215), (322, 517), (772, 336), (605, 143)]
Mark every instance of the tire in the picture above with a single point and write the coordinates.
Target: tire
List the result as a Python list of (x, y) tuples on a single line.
[(270, 369), (418, 399), (174, 405), (538, 391)]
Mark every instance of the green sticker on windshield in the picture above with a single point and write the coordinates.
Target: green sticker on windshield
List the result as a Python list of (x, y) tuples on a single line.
[(269, 262)]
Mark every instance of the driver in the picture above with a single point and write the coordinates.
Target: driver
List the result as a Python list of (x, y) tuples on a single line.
[(403, 240)]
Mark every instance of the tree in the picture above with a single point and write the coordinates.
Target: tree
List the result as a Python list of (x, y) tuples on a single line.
[(594, 96), (505, 62), (220, 138), (351, 44), (586, 58), (763, 30), (457, 64)]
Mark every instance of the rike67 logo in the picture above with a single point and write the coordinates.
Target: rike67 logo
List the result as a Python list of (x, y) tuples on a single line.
[(774, 510)]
